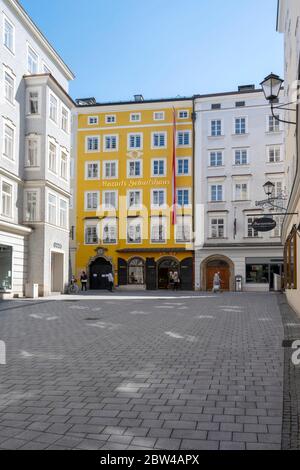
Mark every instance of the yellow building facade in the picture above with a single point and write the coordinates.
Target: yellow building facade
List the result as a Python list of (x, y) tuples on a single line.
[(133, 161)]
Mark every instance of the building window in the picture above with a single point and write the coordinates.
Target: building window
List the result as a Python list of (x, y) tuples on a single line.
[(135, 117), (159, 140), (241, 157), (91, 200), (91, 235), (93, 144), (216, 192), (9, 137), (277, 230), (241, 191), (109, 231), (110, 199), (240, 125), (273, 124), (65, 119), (110, 169), (31, 200), (7, 192), (33, 105), (93, 120), (158, 230), (274, 154), (183, 114), (216, 158), (217, 227), (183, 229), (32, 61), (216, 106), (64, 165), (32, 152), (257, 273), (92, 170), (9, 87), (110, 119), (53, 108), (159, 116), (135, 141), (158, 167), (134, 168), (63, 213), (52, 202), (134, 199), (216, 127), (251, 233), (9, 35), (52, 157), (134, 230), (6, 253), (111, 142), (291, 260), (183, 166), (183, 197), (183, 138), (158, 197), (136, 269)]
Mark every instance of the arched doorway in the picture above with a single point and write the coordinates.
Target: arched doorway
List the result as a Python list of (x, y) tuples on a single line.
[(136, 271), (98, 270), (163, 271), (220, 264)]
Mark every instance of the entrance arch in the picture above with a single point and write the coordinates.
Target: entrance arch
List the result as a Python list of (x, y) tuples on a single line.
[(136, 271), (98, 268), (164, 266), (221, 264)]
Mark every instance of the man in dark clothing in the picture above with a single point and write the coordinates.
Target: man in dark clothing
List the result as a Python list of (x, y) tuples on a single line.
[(83, 280)]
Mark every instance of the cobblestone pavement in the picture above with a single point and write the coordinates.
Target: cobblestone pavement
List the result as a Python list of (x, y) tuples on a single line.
[(172, 373)]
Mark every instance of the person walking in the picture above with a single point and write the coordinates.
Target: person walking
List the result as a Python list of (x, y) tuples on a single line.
[(176, 280), (216, 283), (83, 280), (110, 280)]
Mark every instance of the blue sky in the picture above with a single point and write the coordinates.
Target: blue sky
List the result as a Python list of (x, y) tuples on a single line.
[(161, 48)]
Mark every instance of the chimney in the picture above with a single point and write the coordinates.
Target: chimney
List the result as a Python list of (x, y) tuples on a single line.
[(138, 98)]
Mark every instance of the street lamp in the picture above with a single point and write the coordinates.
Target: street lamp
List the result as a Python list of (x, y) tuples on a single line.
[(269, 188), (271, 86)]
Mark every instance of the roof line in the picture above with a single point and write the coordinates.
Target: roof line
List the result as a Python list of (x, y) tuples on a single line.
[(26, 77)]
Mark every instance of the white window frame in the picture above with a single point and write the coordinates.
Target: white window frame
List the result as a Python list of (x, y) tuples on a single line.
[(141, 168), (50, 193), (108, 117), (92, 224), (183, 111), (189, 193), (216, 183), (104, 137), (268, 116), (178, 227), (66, 225), (52, 142), (134, 206), (157, 206), (153, 147), (12, 198), (247, 217), (241, 182), (154, 219), (52, 95), (11, 75), (92, 150), (138, 115), (135, 134), (184, 131), (135, 221), (37, 139), (241, 149), (217, 216), (104, 177), (155, 118), (189, 159), (109, 221), (37, 192), (12, 49), (210, 134), (31, 49), (234, 125), (86, 197), (152, 167), (221, 151), (46, 69), (270, 147), (11, 126), (106, 207), (93, 123), (67, 164), (34, 90), (67, 129), (94, 162)]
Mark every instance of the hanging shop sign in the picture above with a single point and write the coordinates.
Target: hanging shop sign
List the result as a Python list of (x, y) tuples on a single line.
[(264, 224)]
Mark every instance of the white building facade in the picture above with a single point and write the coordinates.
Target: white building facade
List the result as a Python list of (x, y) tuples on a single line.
[(35, 135), (238, 147)]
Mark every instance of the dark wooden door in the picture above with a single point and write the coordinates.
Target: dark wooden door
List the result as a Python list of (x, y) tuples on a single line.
[(186, 274), (122, 272), (150, 274), (224, 275), (98, 270)]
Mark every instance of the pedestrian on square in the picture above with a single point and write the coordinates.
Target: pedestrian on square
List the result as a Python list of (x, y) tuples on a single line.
[(176, 280), (216, 283), (110, 279), (83, 280)]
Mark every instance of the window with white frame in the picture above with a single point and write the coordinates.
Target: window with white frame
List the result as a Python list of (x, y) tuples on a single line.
[(135, 117), (135, 141), (8, 35), (110, 118), (93, 143), (52, 208), (92, 170), (183, 114), (7, 195), (216, 158), (91, 200), (32, 61), (9, 87), (65, 119), (159, 139), (183, 138), (46, 68), (183, 229), (110, 169), (134, 230), (240, 124), (32, 148), (134, 198), (216, 127), (216, 192), (110, 199), (53, 108), (241, 157), (63, 213), (158, 197), (110, 142), (183, 197), (159, 167), (183, 166), (273, 123), (251, 232), (217, 226), (31, 206), (91, 235), (278, 187), (274, 154), (241, 191), (52, 157), (278, 229), (158, 229), (33, 102), (159, 115), (109, 230), (92, 120), (8, 142), (134, 168), (64, 165)]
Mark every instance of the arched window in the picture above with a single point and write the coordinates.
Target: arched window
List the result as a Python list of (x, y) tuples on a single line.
[(136, 270)]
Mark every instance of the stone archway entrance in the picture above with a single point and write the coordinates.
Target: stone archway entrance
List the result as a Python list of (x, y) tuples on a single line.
[(98, 269), (220, 264), (164, 267)]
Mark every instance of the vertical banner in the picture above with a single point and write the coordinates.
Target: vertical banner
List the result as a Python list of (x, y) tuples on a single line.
[(174, 199)]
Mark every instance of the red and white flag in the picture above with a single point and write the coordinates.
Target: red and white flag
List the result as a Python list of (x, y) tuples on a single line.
[(174, 198)]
